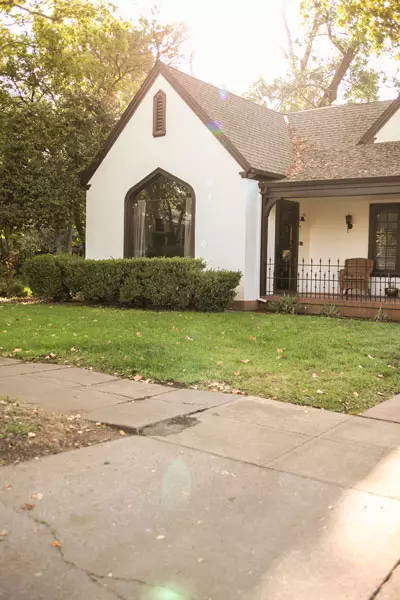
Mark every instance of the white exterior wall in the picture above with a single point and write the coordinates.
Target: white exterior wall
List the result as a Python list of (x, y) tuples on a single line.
[(227, 220), (324, 233), (390, 132)]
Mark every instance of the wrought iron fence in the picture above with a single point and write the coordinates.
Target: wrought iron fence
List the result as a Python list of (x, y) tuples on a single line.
[(353, 280)]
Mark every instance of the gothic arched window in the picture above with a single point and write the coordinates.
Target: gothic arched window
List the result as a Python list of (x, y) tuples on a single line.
[(159, 217)]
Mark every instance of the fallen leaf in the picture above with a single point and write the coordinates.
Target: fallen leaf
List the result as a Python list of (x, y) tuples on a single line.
[(280, 350), (371, 357), (138, 333), (189, 339), (320, 392), (37, 496), (314, 376), (17, 350), (356, 394), (380, 376), (31, 434), (138, 377), (245, 360), (55, 544), (237, 373), (3, 533), (220, 363), (253, 338), (27, 506)]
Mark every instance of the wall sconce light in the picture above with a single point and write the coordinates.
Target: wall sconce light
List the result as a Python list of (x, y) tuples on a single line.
[(349, 222)]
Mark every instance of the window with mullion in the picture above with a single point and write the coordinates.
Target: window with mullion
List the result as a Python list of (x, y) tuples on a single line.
[(384, 243)]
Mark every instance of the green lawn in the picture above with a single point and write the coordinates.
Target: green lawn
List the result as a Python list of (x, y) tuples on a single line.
[(342, 365)]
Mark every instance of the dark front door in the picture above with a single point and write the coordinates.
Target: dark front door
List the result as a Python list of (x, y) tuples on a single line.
[(286, 246)]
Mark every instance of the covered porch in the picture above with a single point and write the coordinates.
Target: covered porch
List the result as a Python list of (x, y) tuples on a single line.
[(333, 243)]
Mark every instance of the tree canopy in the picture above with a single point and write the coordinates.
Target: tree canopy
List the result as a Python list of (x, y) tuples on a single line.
[(332, 56), (67, 70)]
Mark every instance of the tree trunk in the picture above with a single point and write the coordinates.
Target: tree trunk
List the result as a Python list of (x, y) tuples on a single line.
[(330, 94)]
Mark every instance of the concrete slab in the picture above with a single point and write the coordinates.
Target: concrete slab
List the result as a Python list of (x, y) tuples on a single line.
[(387, 411), (132, 389), (145, 516), (348, 464), (7, 361), (197, 398), (30, 388), (281, 415), (139, 414), (228, 438), (82, 376), (391, 589), (55, 396), (367, 431), (27, 549), (29, 368)]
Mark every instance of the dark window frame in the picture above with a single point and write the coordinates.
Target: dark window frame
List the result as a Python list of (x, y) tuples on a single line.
[(130, 197), (374, 209), (159, 106)]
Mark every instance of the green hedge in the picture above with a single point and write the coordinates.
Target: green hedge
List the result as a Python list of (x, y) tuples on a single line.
[(173, 283)]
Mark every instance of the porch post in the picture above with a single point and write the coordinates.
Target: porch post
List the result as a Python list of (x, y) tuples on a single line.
[(267, 202)]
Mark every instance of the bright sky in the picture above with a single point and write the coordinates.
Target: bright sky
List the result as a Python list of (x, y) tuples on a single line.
[(232, 42)]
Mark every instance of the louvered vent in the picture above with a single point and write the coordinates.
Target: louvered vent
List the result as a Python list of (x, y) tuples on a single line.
[(159, 111)]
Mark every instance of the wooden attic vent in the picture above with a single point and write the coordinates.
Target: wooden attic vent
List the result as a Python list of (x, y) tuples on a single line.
[(159, 114)]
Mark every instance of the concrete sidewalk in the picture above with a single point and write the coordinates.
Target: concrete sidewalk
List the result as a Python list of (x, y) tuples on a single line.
[(219, 497)]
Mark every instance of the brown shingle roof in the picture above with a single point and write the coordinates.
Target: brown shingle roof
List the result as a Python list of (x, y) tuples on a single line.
[(326, 144), (316, 144), (260, 134)]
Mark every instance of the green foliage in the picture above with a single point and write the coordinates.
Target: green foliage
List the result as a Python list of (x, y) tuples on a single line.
[(214, 290), (44, 276), (160, 282), (376, 20), (331, 311), (381, 315), (286, 304), (11, 287), (330, 59), (67, 70), (171, 283)]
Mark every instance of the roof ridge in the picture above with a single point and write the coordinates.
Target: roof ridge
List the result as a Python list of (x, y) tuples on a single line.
[(306, 110)]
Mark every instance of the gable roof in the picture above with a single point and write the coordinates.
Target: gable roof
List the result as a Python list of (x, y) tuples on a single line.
[(316, 144), (255, 136), (369, 135)]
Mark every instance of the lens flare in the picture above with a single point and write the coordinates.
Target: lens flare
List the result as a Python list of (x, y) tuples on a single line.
[(163, 593), (223, 94), (176, 485), (216, 127)]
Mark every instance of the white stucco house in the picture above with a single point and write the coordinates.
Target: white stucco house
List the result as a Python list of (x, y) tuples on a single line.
[(193, 170)]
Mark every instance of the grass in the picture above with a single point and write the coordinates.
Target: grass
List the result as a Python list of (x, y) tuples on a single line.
[(337, 364)]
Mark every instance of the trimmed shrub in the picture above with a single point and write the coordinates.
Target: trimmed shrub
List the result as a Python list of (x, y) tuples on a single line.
[(160, 282), (214, 290), (44, 276), (172, 283), (12, 288)]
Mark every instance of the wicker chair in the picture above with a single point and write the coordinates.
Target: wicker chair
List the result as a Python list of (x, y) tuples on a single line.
[(356, 275)]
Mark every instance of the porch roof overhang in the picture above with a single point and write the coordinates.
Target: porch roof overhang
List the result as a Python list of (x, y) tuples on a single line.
[(274, 190)]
